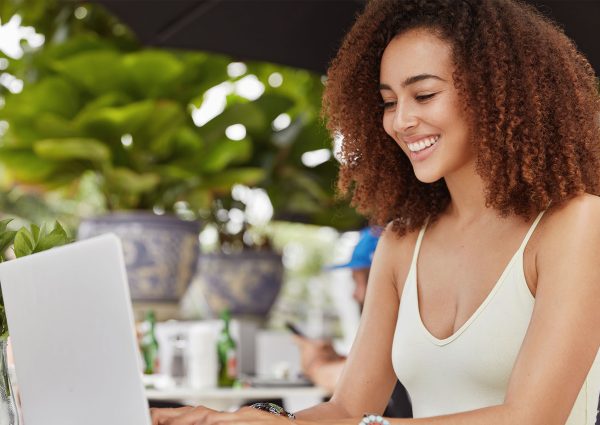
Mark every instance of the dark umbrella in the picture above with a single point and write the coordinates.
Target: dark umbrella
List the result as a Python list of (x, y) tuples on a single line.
[(300, 33)]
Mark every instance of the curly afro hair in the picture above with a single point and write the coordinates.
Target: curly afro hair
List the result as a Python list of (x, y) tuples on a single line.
[(530, 95)]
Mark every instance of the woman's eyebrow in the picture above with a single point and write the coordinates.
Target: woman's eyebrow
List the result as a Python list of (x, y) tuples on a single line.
[(412, 80)]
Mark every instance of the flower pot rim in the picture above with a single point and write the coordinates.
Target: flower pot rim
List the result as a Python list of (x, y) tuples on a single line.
[(141, 216)]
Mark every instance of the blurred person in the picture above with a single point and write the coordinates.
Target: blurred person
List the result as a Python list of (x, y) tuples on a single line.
[(320, 361)]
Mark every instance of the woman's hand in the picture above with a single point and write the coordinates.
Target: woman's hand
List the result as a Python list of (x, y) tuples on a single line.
[(314, 352), (205, 416)]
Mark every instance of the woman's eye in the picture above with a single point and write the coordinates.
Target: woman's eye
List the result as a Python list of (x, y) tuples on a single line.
[(387, 105), (425, 97)]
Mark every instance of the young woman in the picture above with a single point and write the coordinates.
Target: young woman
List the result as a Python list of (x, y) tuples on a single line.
[(472, 128)]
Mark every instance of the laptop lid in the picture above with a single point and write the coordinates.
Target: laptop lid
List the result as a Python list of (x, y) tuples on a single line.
[(72, 330)]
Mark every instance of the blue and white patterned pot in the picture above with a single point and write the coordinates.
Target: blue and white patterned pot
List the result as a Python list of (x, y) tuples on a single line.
[(160, 251), (246, 283)]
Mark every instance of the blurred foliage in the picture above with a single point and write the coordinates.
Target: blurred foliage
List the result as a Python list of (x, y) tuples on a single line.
[(97, 107)]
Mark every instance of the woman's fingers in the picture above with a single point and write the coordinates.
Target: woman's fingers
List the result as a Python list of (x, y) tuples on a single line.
[(160, 416), (204, 416)]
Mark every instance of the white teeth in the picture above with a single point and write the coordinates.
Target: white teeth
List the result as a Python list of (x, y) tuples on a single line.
[(422, 144)]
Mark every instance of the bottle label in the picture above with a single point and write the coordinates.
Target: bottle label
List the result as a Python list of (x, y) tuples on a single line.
[(231, 364)]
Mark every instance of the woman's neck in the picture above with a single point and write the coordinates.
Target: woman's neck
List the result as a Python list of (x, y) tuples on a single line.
[(467, 194)]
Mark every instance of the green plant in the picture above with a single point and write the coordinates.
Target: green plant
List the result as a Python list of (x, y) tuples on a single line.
[(26, 242), (95, 106)]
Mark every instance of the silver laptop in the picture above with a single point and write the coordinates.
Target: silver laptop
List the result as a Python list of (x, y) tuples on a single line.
[(72, 330)]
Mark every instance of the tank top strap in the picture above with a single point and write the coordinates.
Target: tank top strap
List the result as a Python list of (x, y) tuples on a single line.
[(531, 230), (413, 263)]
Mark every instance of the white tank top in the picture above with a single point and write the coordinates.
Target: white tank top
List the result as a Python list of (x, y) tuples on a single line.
[(471, 368)]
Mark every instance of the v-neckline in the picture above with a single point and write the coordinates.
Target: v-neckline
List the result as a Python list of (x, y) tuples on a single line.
[(487, 299)]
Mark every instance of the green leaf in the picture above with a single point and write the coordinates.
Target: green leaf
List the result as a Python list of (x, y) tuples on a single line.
[(24, 243), (246, 114), (166, 120), (57, 237), (124, 180), (37, 239), (110, 123), (6, 239), (225, 180), (72, 149), (98, 72), (152, 73), (24, 166), (50, 95), (224, 153), (37, 232), (54, 126), (4, 224)]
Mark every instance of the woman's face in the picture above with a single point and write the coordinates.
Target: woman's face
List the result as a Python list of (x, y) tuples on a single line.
[(422, 110)]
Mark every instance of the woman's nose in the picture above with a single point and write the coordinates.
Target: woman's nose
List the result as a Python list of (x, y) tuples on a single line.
[(404, 118)]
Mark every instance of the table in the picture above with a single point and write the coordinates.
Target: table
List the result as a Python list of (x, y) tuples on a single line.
[(294, 398)]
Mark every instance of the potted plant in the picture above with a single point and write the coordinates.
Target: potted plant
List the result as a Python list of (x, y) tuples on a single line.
[(103, 113), (24, 242)]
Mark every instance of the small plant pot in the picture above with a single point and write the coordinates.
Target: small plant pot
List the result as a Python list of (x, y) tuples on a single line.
[(246, 283), (160, 252)]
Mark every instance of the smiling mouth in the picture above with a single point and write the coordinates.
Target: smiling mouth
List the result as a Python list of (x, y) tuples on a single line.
[(423, 144)]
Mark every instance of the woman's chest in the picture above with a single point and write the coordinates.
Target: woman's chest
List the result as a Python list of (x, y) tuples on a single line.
[(454, 278)]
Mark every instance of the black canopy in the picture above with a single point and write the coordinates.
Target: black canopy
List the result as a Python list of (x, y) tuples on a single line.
[(300, 33)]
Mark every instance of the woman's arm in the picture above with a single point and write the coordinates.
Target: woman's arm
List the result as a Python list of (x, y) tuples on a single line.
[(368, 378)]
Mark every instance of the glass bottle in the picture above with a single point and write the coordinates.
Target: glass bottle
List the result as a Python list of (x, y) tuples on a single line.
[(179, 360), (9, 414), (149, 344), (226, 350)]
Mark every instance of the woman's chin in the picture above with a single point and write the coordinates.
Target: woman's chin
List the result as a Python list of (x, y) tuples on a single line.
[(427, 176)]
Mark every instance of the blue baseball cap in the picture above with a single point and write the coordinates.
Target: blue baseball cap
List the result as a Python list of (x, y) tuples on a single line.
[(362, 256)]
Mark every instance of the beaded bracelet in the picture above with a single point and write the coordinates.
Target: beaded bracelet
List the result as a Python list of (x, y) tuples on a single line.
[(274, 409), (373, 419)]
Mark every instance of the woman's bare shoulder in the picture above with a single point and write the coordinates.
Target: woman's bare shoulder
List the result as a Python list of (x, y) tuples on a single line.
[(575, 222), (398, 252)]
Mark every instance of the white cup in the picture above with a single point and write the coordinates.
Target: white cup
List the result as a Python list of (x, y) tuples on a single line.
[(203, 363)]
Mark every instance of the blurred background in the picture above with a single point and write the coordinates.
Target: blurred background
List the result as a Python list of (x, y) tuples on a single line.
[(192, 130)]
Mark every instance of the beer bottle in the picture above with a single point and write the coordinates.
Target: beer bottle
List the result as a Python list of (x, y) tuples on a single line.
[(226, 351), (149, 344)]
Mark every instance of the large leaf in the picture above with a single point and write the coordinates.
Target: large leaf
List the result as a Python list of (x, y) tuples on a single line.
[(166, 120), (72, 149), (37, 239), (6, 237), (128, 181), (72, 46), (57, 237), (49, 125), (97, 72), (110, 123), (312, 136), (24, 243), (202, 71), (246, 114), (225, 180), (105, 100), (271, 106), (186, 142), (24, 166), (224, 153), (152, 73), (51, 95)]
